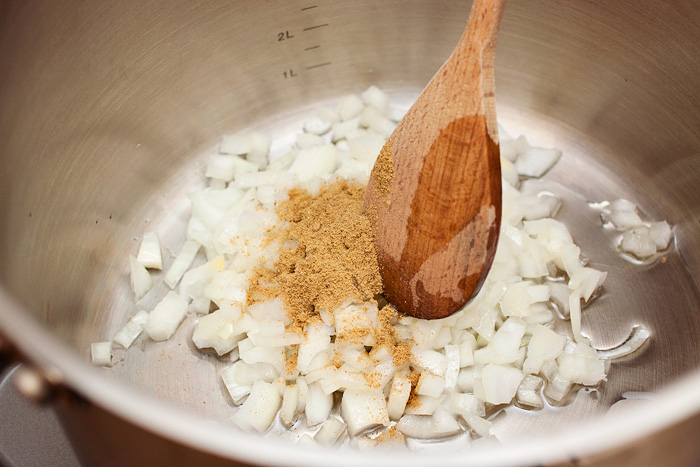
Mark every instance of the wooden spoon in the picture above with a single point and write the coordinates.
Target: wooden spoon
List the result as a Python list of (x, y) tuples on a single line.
[(434, 195)]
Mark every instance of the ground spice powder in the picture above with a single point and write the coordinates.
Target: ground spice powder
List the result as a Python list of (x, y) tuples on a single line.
[(334, 259)]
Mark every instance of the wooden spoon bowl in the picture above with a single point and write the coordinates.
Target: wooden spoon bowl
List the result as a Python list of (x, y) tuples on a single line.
[(434, 195)]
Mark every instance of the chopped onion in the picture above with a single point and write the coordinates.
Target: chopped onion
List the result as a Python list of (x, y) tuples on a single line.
[(350, 108), (535, 162), (141, 281), (330, 431), (637, 241), (500, 383), (377, 98), (363, 410), (624, 219), (289, 404), (430, 385), (101, 353), (489, 352), (545, 346), (182, 263), (235, 144), (133, 328), (661, 234), (259, 410), (398, 396), (527, 394), (166, 317), (149, 252), (318, 405)]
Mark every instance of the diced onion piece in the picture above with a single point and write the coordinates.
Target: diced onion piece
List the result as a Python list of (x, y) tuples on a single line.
[(587, 281), (346, 129), (318, 405), (423, 405), (149, 252), (622, 205), (141, 281), (259, 410), (444, 424), (182, 263), (307, 140), (226, 168), (575, 314), (500, 383), (317, 126), (350, 107), (166, 317), (239, 378), (366, 148), (250, 353), (318, 338), (101, 353), (545, 346), (289, 404), (315, 161), (661, 234), (509, 173), (452, 353), (131, 330), (363, 410), (480, 426), (582, 366), (430, 360), (303, 394), (535, 162), (417, 426), (330, 431), (373, 119), (624, 219), (235, 144), (527, 395), (512, 148), (505, 345), (217, 330), (376, 97), (467, 403), (227, 288), (637, 241), (398, 396), (430, 385), (557, 388)]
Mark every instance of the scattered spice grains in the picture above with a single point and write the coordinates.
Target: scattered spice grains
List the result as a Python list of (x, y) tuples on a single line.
[(391, 437), (333, 261), (383, 172)]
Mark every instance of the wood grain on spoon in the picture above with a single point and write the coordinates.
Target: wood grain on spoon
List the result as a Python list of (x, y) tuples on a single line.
[(434, 196)]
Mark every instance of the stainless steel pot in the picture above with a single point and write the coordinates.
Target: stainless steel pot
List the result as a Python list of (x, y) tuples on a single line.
[(108, 109)]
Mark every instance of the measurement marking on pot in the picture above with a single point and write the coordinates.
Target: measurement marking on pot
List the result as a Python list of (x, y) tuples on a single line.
[(312, 47), (284, 35), (309, 7), (315, 27), (317, 66)]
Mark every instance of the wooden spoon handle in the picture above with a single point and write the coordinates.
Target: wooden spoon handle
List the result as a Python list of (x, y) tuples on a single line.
[(435, 192)]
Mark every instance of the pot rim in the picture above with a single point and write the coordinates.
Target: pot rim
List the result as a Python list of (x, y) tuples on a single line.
[(672, 404)]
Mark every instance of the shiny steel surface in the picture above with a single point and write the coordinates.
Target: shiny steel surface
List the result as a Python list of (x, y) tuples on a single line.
[(109, 110)]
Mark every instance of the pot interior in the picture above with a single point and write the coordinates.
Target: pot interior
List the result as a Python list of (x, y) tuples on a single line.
[(110, 112)]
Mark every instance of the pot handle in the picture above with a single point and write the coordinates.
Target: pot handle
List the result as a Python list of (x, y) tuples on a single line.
[(30, 382), (5, 353)]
